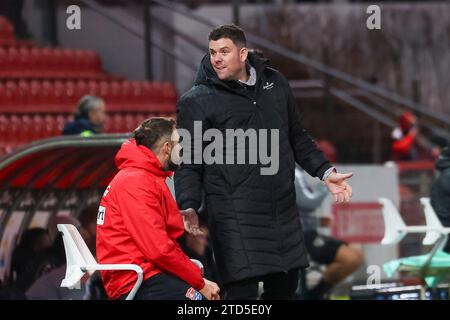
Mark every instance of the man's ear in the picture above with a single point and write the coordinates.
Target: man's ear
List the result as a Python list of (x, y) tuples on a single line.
[(243, 53), (167, 147)]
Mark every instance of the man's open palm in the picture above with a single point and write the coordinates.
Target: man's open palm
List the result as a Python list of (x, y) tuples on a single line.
[(341, 190), (190, 221)]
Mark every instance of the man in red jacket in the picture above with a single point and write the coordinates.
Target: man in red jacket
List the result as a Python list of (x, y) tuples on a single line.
[(404, 146), (139, 221)]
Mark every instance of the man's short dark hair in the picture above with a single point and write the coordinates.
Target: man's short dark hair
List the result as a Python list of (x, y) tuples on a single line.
[(152, 130), (229, 31)]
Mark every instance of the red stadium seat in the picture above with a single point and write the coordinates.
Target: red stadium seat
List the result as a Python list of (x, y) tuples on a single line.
[(43, 86), (59, 64), (11, 96), (3, 131), (69, 99), (4, 65), (116, 122), (114, 101), (44, 57), (3, 99), (24, 95), (128, 122), (25, 59), (13, 59), (26, 132), (93, 62), (37, 102), (46, 96), (93, 88)]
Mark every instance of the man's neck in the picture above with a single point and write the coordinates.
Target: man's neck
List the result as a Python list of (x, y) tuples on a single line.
[(161, 159), (244, 75)]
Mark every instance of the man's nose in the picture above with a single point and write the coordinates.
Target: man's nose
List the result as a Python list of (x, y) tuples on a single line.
[(217, 59)]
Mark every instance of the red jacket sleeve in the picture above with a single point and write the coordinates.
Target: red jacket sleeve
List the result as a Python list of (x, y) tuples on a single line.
[(144, 219), (403, 146)]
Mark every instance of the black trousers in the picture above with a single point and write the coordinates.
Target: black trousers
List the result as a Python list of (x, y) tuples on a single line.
[(277, 286), (165, 287)]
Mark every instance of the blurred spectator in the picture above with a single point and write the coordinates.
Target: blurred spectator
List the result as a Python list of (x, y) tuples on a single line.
[(409, 145), (404, 146), (48, 286), (341, 259), (26, 263), (88, 221), (440, 190), (90, 117)]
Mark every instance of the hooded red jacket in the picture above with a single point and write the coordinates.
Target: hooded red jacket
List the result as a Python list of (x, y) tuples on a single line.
[(139, 222)]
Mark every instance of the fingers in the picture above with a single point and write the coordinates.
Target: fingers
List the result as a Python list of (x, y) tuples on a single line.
[(346, 175), (215, 297), (190, 220), (346, 197), (216, 291), (184, 212), (339, 177), (343, 196), (338, 197), (349, 189), (196, 231), (342, 192)]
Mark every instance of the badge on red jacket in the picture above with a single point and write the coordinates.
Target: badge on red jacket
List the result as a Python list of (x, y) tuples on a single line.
[(193, 294)]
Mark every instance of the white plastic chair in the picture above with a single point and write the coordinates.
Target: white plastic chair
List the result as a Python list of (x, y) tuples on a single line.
[(432, 221), (80, 260), (394, 227)]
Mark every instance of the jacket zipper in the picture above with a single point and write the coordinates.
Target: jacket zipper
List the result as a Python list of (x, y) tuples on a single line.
[(274, 203)]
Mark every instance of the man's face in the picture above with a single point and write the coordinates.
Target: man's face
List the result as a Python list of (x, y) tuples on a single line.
[(97, 116), (174, 158), (227, 59), (43, 242)]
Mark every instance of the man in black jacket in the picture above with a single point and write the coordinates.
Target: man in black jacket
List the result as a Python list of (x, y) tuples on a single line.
[(440, 191), (254, 224)]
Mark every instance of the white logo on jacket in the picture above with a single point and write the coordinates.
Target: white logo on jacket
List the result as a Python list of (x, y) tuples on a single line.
[(101, 215), (106, 191), (268, 86)]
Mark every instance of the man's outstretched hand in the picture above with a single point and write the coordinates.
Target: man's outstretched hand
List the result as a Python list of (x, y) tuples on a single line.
[(190, 220), (341, 190)]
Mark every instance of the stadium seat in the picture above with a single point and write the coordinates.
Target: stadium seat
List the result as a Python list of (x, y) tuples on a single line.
[(80, 260), (40, 89)]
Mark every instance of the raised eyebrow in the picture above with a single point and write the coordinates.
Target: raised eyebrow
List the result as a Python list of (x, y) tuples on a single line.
[(223, 48)]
